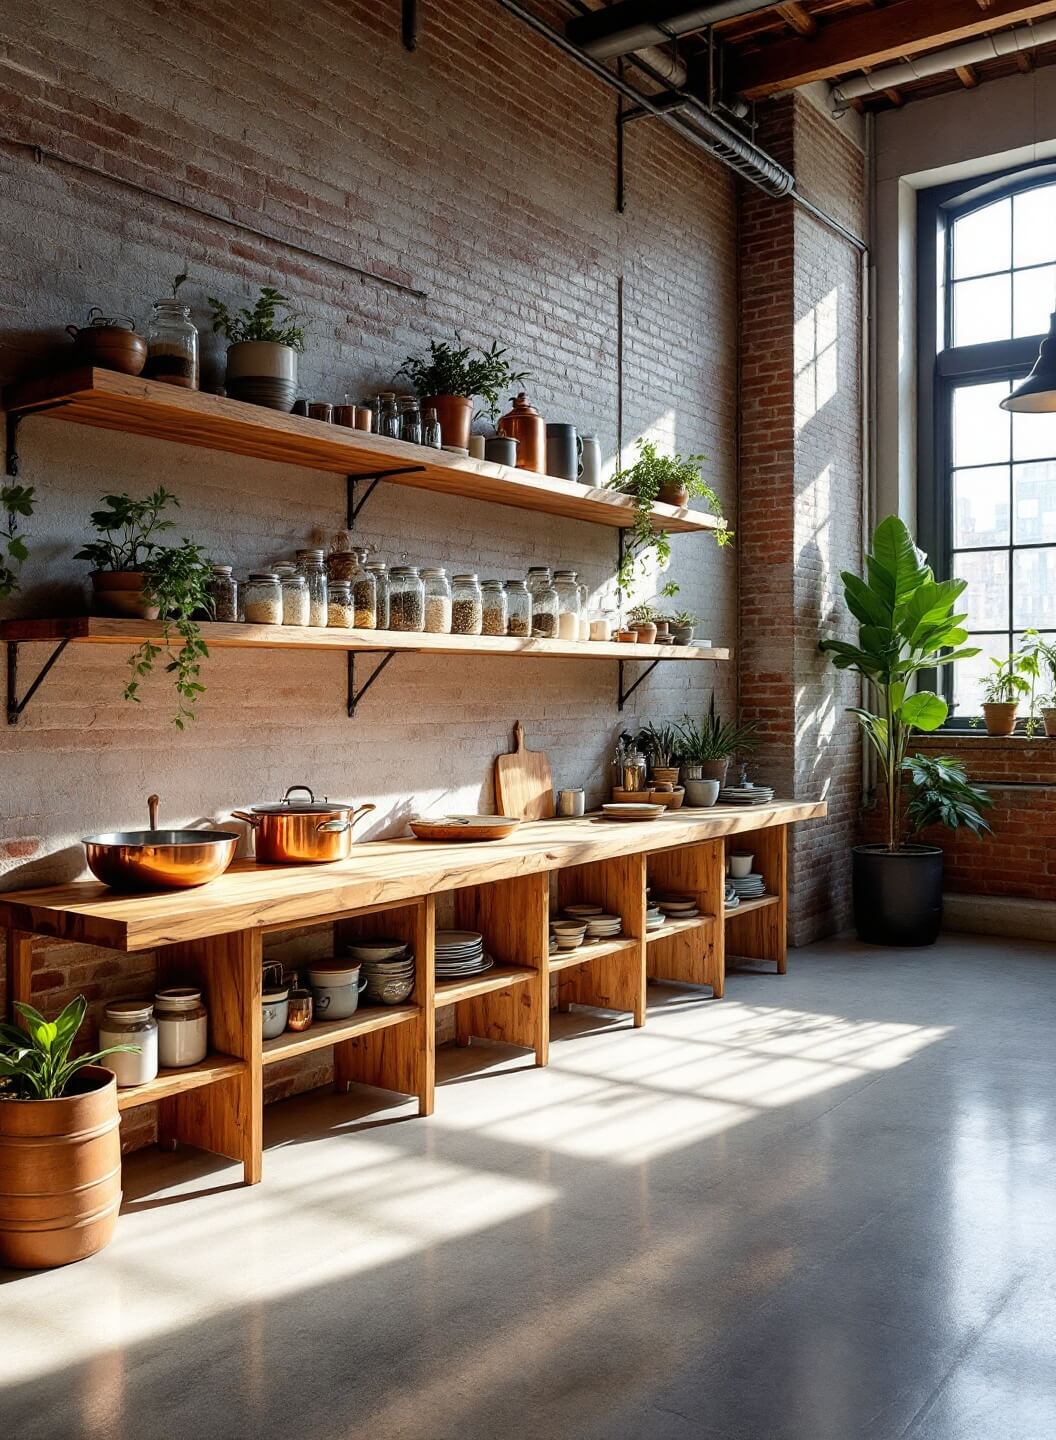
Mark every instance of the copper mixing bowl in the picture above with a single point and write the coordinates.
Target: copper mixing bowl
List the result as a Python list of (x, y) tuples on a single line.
[(160, 859)]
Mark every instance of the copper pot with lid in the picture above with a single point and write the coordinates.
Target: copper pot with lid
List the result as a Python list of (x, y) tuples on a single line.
[(299, 832), (523, 423)]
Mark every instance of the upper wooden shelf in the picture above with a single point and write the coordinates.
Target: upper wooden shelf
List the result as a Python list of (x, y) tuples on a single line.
[(111, 401)]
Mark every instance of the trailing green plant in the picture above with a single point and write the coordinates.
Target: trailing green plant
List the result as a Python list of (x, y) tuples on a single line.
[(941, 795), (463, 370), (263, 323), (16, 503), (710, 739), (649, 474), (660, 743), (906, 624), (35, 1061), (129, 529)]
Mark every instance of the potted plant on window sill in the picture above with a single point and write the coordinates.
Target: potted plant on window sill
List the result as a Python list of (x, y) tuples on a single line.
[(263, 349), (1004, 686), (450, 377), (60, 1145), (707, 746), (906, 624)]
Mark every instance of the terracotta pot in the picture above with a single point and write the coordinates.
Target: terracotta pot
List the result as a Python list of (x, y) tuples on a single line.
[(455, 414), (645, 630), (60, 1174), (1000, 716), (1049, 717), (523, 423), (665, 774), (120, 592), (673, 495), (113, 347), (627, 637), (706, 770)]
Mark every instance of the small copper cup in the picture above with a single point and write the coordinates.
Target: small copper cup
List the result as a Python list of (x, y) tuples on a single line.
[(364, 417), (321, 410), (345, 415), (300, 1010)]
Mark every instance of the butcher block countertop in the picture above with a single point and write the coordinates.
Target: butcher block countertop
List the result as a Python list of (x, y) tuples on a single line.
[(378, 873)]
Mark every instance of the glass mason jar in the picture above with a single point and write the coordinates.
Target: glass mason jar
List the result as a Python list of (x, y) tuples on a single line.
[(364, 594), (130, 1022), (544, 603), (295, 603), (410, 419), (172, 345), (406, 599), (223, 591), (467, 611), (183, 1027), (380, 571), (437, 601), (341, 560), (567, 604), (263, 598), (431, 435), (493, 598), (390, 416), (518, 609), (340, 613), (312, 567)]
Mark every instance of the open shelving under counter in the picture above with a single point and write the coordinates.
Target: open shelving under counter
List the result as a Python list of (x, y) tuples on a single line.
[(679, 927), (591, 950), (499, 977), (322, 1033), (759, 902), (169, 1083)]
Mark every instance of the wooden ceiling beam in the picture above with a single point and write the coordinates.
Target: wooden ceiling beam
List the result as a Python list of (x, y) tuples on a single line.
[(875, 38), (794, 15)]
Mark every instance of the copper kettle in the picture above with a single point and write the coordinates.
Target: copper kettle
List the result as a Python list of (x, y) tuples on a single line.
[(523, 423)]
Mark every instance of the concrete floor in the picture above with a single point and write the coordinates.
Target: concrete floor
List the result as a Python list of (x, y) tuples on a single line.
[(822, 1209)]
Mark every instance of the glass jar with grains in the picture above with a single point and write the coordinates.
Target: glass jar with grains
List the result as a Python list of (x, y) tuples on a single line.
[(295, 608), (263, 603), (364, 593), (406, 599), (341, 560), (493, 601), (467, 614), (544, 603), (518, 609), (437, 601), (223, 591), (312, 567), (172, 345), (339, 609), (380, 571), (568, 604)]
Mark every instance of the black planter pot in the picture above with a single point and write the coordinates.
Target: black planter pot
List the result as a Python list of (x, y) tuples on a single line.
[(897, 897)]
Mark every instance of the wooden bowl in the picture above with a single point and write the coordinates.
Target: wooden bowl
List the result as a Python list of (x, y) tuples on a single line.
[(465, 827)]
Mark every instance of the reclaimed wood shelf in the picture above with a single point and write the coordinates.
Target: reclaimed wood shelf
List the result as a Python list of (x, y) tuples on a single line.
[(760, 902), (109, 401), (366, 1021), (679, 927), (499, 977), (168, 1083), (591, 950)]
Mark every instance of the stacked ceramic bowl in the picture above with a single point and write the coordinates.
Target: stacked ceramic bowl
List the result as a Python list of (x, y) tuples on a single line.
[(678, 907), (569, 934), (748, 887), (654, 919), (387, 966), (604, 927), (460, 953)]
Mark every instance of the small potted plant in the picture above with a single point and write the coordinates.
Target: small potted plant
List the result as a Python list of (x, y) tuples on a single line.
[(643, 622), (667, 479), (1004, 686), (707, 746), (660, 743), (16, 502), (449, 378), (136, 577), (683, 626), (60, 1144), (263, 349)]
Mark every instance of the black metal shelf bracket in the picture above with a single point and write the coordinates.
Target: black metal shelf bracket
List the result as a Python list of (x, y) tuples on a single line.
[(15, 706), (624, 695), (354, 695), (354, 505), (14, 420)]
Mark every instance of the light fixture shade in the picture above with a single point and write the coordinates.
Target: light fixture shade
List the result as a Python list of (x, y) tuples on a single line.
[(1037, 394)]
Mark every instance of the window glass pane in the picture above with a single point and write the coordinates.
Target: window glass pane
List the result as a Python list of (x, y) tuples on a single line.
[(968, 674), (982, 241), (982, 310), (980, 506), (1034, 436), (1035, 502), (986, 598), (981, 429), (1033, 300), (1035, 227), (1047, 677), (1035, 594)]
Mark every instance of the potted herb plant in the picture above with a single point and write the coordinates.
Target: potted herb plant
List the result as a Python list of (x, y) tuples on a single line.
[(16, 502), (1005, 684), (449, 378), (660, 743), (135, 576), (667, 479), (643, 622), (683, 626), (907, 624), (707, 746), (60, 1146), (263, 349)]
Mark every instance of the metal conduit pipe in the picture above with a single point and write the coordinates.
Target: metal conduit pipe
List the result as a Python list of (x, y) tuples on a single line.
[(634, 25)]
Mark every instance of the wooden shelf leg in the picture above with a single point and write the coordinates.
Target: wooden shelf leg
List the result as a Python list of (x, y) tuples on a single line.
[(613, 982), (19, 970)]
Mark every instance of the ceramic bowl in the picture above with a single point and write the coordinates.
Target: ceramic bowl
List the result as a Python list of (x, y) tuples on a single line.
[(741, 863), (701, 792), (569, 942), (389, 992), (376, 949), (276, 1006)]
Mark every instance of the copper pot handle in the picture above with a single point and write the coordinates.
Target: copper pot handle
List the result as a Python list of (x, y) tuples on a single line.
[(307, 790), (334, 827), (153, 801), (254, 820)]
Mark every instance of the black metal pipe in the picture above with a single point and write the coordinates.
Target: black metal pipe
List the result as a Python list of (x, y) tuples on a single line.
[(636, 24)]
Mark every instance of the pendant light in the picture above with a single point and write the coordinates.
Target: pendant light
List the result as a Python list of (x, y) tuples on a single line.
[(1037, 393)]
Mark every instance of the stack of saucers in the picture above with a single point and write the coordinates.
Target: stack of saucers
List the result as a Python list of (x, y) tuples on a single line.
[(604, 927), (678, 907), (460, 953), (746, 794), (387, 965), (654, 919), (732, 898), (748, 887)]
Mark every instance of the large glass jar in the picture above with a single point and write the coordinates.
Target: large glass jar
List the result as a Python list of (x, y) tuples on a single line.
[(567, 604), (183, 1027), (410, 419), (223, 591), (406, 599), (493, 600), (437, 601), (364, 594), (130, 1022), (172, 345), (544, 603), (263, 598), (295, 604), (341, 561), (390, 416), (379, 570), (467, 614), (340, 613), (518, 609), (312, 566)]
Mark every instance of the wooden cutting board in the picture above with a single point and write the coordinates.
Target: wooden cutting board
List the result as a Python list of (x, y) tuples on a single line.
[(523, 785)]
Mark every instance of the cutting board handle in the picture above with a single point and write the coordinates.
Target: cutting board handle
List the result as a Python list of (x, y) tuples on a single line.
[(518, 738)]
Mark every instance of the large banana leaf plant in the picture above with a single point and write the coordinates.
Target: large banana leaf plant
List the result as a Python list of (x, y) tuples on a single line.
[(906, 623)]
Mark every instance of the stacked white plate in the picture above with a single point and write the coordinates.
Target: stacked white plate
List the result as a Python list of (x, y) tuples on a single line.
[(603, 927), (582, 911), (732, 898), (747, 887), (678, 907), (460, 953), (654, 919), (746, 795)]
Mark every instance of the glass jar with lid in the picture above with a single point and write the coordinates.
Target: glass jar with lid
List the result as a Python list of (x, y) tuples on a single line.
[(223, 591), (544, 603), (568, 604), (295, 603), (380, 571), (467, 614), (406, 598), (130, 1022), (341, 559), (518, 609), (364, 593), (584, 612), (311, 564), (437, 601), (183, 1027), (410, 419), (493, 611), (340, 613), (390, 415), (172, 345), (263, 598)]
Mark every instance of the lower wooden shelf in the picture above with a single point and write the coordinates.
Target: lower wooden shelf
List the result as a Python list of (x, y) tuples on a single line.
[(175, 1082), (679, 927), (331, 1032), (499, 977), (591, 950), (747, 906)]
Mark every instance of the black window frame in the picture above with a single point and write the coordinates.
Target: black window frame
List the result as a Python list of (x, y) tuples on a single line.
[(941, 367)]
